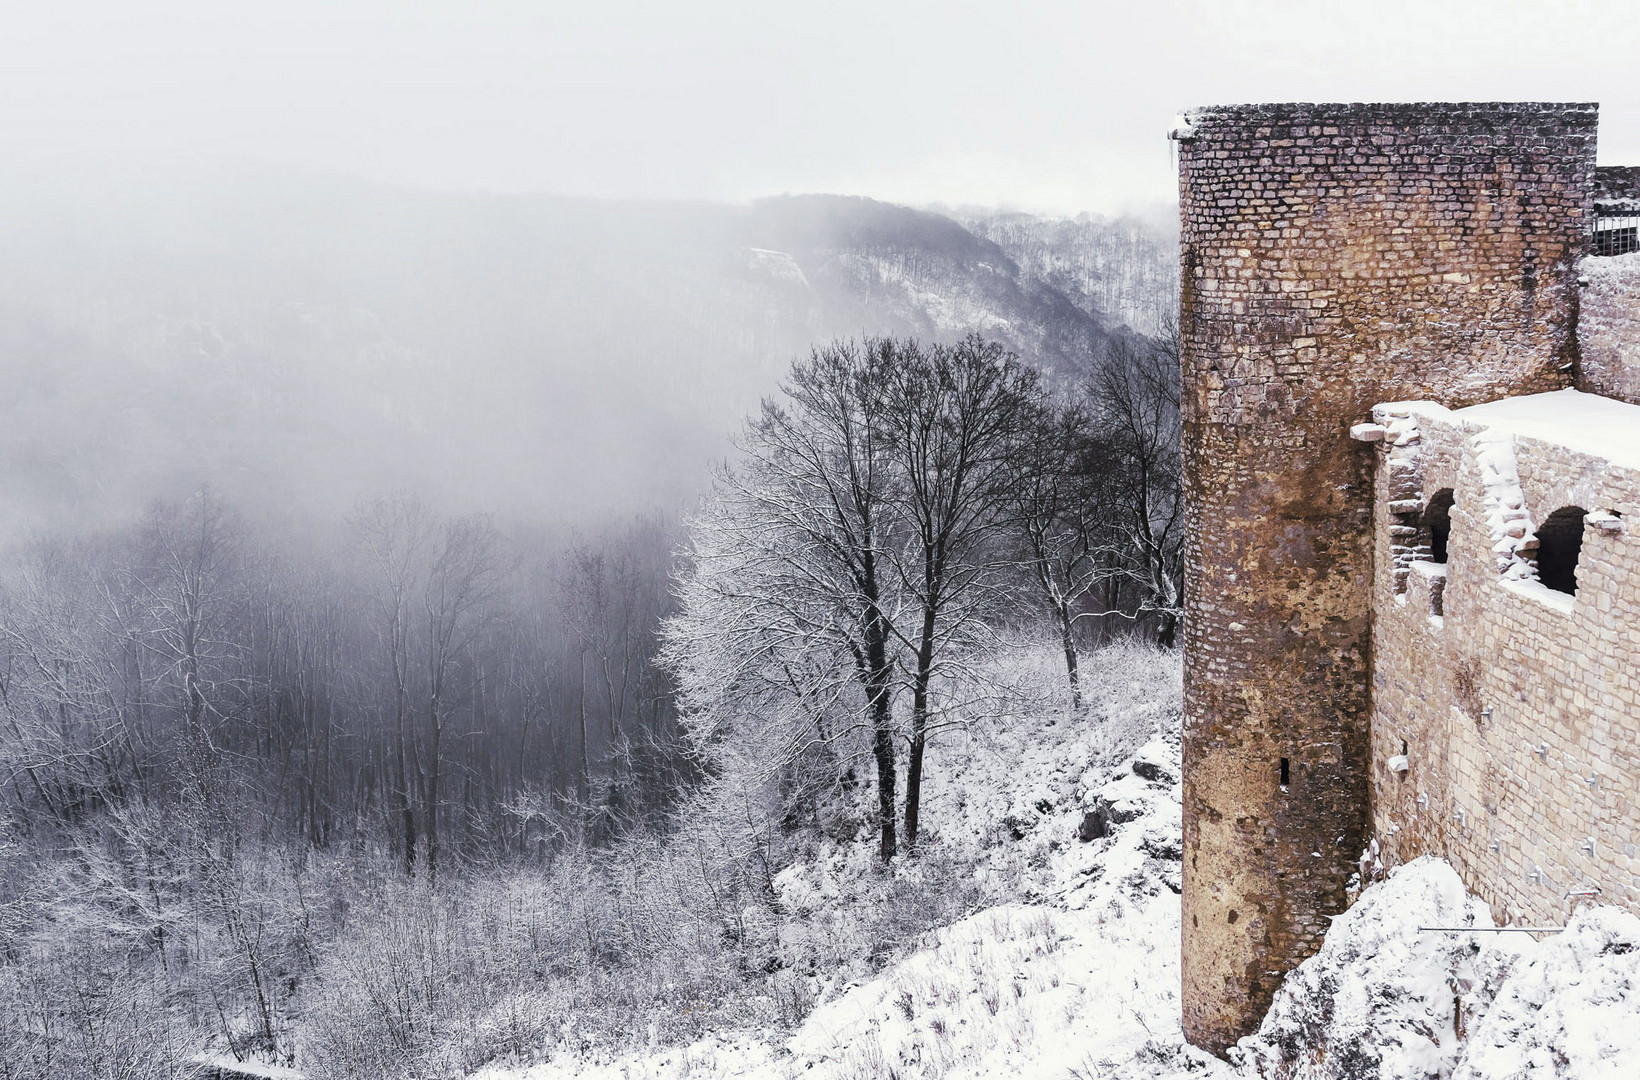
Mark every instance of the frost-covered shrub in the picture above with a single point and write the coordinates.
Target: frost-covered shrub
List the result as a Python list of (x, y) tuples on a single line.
[(75, 1005), (388, 988), (507, 964)]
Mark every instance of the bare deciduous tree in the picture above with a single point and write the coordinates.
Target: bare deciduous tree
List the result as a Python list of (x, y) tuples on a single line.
[(953, 418), (396, 532), (793, 550), (1134, 397)]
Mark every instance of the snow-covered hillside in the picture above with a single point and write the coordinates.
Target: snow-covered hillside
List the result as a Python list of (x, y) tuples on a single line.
[(1121, 270), (1067, 832)]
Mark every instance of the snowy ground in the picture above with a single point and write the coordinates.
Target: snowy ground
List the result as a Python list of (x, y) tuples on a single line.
[(1077, 974), (1388, 999), (1079, 977)]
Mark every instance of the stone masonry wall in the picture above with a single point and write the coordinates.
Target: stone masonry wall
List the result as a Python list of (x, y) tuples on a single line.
[(1517, 708), (1616, 186), (1608, 328), (1332, 257)]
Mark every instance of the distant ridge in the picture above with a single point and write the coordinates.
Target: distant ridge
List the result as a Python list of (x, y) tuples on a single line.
[(300, 340)]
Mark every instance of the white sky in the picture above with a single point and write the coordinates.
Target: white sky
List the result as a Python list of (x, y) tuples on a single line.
[(1052, 106)]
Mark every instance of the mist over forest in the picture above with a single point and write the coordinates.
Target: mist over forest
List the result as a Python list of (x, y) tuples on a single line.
[(429, 622), (299, 342)]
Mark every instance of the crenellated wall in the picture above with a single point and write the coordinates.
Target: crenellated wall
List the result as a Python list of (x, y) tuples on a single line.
[(1333, 257), (1514, 708)]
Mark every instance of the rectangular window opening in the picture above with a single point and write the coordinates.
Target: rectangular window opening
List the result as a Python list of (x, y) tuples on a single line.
[(1285, 773)]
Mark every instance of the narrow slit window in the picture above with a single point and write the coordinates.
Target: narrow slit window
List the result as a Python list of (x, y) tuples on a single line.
[(1285, 773), (1438, 524)]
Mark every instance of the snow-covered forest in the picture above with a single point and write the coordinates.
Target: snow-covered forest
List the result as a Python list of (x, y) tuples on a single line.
[(408, 790)]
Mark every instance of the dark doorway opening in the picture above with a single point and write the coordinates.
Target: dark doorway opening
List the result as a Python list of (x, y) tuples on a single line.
[(1560, 542)]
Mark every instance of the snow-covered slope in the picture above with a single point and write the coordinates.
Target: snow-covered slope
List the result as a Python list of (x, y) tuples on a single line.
[(1389, 998), (1077, 976), (1066, 832), (1121, 270)]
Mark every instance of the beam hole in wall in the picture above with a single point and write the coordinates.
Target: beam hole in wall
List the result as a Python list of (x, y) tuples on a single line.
[(1438, 523), (1560, 542)]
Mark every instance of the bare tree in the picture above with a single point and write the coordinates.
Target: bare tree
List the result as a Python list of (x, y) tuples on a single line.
[(793, 551), (396, 532), (1056, 515), (65, 747), (460, 583), (953, 417), (1134, 397), (190, 579)]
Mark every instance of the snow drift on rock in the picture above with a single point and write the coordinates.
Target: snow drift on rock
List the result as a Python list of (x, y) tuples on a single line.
[(1387, 1000), (1380, 999), (1571, 1009)]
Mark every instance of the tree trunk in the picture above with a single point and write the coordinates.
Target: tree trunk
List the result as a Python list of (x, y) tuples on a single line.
[(919, 728), (433, 792), (585, 784), (406, 808), (1067, 639), (1168, 630), (882, 725)]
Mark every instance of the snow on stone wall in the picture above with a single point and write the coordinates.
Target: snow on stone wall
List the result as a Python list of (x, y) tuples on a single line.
[(1516, 711)]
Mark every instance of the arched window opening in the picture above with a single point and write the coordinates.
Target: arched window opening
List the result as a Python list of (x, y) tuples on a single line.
[(1560, 541), (1438, 524)]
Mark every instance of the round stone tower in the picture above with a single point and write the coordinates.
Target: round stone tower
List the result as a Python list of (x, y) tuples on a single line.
[(1333, 257)]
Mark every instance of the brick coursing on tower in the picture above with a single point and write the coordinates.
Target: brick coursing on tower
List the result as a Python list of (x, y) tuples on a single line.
[(1333, 257)]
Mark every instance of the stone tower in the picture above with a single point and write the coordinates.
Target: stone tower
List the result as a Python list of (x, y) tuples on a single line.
[(1333, 257)]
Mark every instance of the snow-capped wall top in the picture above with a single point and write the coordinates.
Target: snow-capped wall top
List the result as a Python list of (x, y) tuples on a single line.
[(1601, 427), (1588, 423)]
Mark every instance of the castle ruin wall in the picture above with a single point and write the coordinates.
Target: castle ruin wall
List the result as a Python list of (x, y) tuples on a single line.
[(1506, 723), (1332, 257), (1608, 329)]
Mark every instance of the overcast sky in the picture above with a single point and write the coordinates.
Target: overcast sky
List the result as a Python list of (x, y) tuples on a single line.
[(1053, 106)]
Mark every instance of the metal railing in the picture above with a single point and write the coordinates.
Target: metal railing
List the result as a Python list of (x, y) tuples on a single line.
[(1616, 233)]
